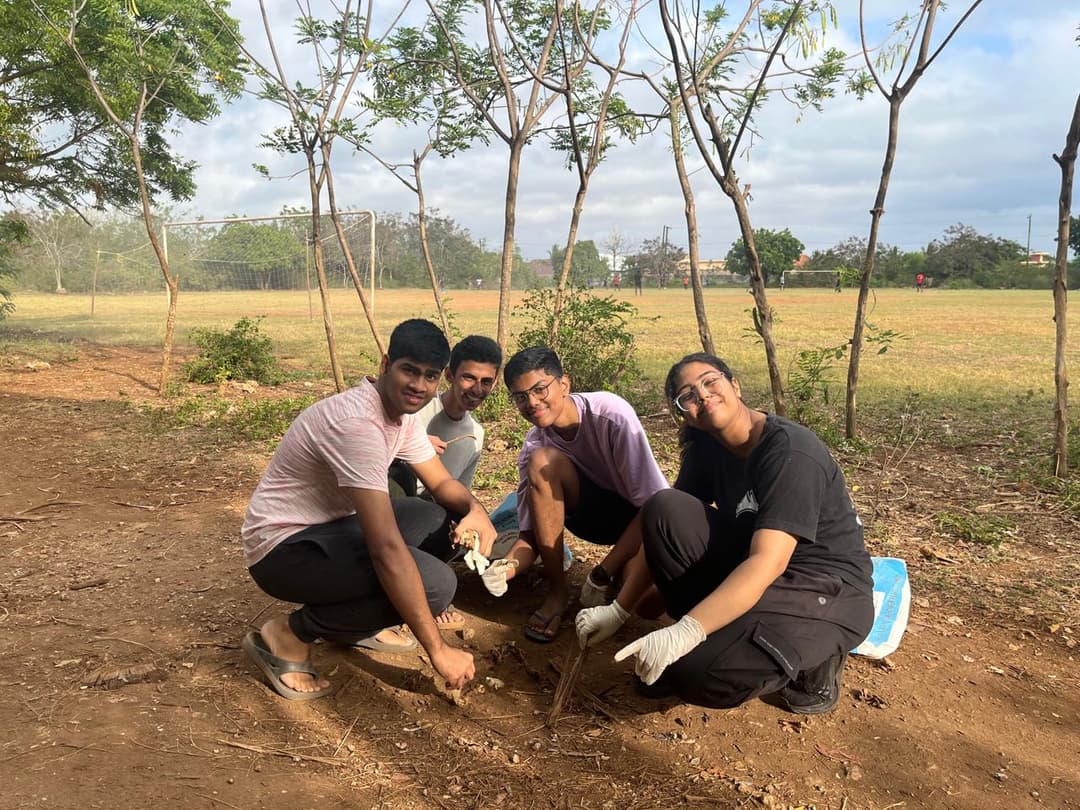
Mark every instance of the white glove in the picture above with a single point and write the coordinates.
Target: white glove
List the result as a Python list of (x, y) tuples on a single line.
[(598, 624), (495, 576), (476, 561), (661, 648), (474, 558)]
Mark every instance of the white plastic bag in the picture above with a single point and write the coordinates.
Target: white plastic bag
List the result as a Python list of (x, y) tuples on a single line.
[(892, 604)]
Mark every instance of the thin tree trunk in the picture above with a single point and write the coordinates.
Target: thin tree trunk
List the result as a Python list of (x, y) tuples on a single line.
[(502, 332), (690, 210), (320, 274), (347, 252), (172, 283), (568, 260), (850, 401), (421, 220), (1067, 162), (763, 318)]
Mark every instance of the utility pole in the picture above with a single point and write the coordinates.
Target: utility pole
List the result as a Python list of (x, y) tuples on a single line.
[(1027, 258)]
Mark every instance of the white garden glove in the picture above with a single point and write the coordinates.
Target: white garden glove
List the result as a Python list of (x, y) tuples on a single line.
[(661, 648), (599, 623), (475, 560), (495, 576)]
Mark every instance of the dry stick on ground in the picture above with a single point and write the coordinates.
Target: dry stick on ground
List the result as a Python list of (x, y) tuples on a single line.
[(594, 700), (567, 681), (277, 752)]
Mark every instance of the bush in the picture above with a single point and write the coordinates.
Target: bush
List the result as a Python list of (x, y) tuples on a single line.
[(594, 341), (241, 353)]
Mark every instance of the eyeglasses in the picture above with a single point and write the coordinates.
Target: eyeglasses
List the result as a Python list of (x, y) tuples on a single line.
[(540, 391), (692, 397)]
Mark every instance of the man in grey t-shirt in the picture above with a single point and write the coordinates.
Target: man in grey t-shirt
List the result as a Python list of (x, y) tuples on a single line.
[(457, 437)]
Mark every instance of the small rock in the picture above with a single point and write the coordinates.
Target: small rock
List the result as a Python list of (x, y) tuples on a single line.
[(1001, 776)]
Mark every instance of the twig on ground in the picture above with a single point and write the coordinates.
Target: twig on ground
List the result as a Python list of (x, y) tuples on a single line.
[(567, 682), (172, 753), (251, 621), (277, 752), (348, 731), (89, 583), (135, 505), (215, 800), (45, 506), (126, 641)]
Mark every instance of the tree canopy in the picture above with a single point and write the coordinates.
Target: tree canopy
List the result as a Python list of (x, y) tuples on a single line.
[(778, 251), (963, 257)]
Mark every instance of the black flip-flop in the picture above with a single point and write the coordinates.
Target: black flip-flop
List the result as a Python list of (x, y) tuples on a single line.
[(273, 668), (541, 636)]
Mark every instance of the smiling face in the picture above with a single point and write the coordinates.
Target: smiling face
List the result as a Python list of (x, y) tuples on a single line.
[(540, 397), (469, 385), (406, 385), (706, 398)]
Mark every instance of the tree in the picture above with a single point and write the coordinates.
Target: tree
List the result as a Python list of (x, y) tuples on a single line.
[(61, 237), (59, 146), (1067, 163), (164, 62), (1074, 235), (777, 252), (615, 243), (704, 75), (586, 267), (12, 232), (963, 257), (657, 258), (921, 34), (506, 80)]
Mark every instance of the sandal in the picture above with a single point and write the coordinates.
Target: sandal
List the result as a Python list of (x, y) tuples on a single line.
[(373, 643), (452, 624), (273, 668), (543, 629)]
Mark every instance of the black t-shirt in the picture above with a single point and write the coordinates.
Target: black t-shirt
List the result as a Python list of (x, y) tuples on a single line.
[(790, 483)]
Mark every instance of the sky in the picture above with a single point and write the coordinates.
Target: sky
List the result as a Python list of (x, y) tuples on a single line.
[(976, 142)]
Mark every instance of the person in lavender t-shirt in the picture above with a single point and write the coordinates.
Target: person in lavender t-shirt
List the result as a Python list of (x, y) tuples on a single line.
[(586, 466), (321, 530)]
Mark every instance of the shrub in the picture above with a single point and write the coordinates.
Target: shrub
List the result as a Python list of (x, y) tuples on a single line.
[(594, 341), (241, 353)]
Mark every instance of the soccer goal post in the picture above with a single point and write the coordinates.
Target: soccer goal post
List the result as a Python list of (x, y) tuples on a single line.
[(266, 253)]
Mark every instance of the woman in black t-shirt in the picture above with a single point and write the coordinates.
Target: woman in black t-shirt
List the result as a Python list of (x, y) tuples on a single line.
[(757, 553)]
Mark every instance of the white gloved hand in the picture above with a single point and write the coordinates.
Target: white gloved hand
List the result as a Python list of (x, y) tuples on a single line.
[(495, 576), (599, 623), (661, 648)]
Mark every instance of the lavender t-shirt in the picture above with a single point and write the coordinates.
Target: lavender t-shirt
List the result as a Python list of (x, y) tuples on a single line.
[(342, 441), (610, 447)]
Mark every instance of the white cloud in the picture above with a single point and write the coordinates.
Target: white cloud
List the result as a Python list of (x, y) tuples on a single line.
[(976, 137)]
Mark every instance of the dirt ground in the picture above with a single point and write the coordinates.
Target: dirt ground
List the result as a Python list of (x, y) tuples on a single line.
[(120, 567)]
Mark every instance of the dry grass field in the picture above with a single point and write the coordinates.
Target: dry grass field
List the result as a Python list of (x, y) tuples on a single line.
[(123, 597)]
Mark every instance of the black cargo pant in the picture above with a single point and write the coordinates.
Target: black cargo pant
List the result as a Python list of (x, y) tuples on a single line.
[(327, 569), (802, 618)]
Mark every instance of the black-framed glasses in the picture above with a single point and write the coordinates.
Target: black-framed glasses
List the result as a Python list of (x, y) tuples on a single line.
[(692, 397), (540, 391)]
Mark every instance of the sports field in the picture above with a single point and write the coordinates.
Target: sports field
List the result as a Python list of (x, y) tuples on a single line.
[(969, 348)]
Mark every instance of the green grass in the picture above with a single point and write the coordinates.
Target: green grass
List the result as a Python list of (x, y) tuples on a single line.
[(967, 354)]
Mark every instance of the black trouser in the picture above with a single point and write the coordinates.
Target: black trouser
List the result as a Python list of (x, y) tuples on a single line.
[(327, 570), (801, 619)]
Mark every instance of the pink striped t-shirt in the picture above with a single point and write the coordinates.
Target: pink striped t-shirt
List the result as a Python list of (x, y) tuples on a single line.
[(342, 441)]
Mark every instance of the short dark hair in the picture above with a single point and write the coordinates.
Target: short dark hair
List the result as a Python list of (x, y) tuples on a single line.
[(697, 357), (419, 340), (476, 349), (534, 358)]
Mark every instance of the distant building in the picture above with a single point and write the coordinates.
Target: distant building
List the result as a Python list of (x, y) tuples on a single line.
[(713, 271), (542, 268), (800, 262), (1038, 257)]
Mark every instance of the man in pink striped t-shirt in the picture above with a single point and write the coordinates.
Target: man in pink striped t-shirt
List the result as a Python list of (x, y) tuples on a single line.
[(322, 531)]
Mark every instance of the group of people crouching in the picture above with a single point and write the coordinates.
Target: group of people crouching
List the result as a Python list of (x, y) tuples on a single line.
[(753, 560)]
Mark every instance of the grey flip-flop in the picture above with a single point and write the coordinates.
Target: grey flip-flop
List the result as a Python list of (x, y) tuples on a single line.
[(372, 643), (273, 668)]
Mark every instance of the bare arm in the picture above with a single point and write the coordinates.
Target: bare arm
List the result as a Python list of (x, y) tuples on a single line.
[(400, 578), (770, 552)]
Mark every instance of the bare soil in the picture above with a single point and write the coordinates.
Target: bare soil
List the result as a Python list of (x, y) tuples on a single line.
[(123, 599)]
